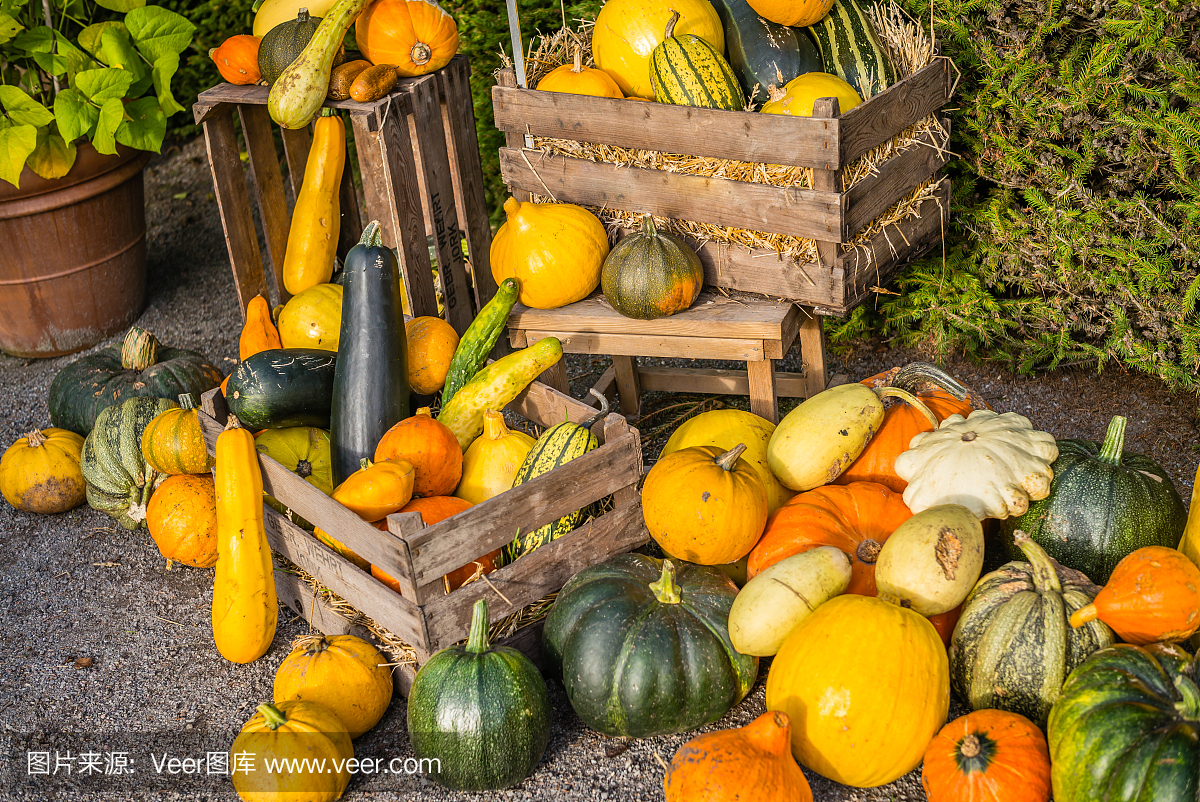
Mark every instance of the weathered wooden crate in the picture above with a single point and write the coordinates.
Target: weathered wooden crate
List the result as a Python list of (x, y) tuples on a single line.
[(423, 614), (419, 159), (826, 142)]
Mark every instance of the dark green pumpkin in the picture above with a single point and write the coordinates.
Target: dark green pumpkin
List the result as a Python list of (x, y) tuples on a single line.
[(119, 482), (1013, 646), (283, 387), (137, 366), (1127, 728), (764, 53), (283, 44), (643, 646), (1104, 503), (651, 274), (482, 711)]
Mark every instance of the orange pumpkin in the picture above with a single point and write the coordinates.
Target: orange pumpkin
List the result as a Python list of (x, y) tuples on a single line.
[(576, 79), (431, 345), (431, 447), (434, 510), (988, 756), (415, 36), (182, 519), (173, 442), (721, 766), (237, 60), (376, 490), (259, 332), (1153, 595)]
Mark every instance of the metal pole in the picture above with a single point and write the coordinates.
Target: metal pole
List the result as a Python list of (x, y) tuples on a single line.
[(514, 31)]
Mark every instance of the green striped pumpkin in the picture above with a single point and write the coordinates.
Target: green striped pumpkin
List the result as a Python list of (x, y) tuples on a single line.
[(558, 445), (688, 71), (851, 49), (119, 482)]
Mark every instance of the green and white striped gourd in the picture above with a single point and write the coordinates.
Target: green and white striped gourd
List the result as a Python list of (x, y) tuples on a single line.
[(119, 482), (688, 71), (852, 50)]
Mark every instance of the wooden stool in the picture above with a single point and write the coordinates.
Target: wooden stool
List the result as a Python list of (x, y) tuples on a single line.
[(757, 331)]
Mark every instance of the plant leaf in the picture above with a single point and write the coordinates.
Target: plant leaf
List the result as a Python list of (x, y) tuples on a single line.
[(146, 126), (53, 156), (157, 31), (122, 6), (76, 117), (9, 27), (89, 37), (34, 40), (68, 59), (104, 84), (112, 112), (165, 66), (16, 143), (116, 50), (22, 109)]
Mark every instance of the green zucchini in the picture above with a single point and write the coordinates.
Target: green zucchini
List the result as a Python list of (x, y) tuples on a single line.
[(688, 71), (851, 49), (283, 387), (479, 338), (764, 53), (558, 445)]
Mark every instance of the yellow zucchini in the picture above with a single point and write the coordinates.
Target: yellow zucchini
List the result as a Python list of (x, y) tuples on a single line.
[(1190, 544), (300, 90), (317, 219)]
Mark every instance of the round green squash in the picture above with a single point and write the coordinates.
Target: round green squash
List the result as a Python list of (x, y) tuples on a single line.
[(482, 711), (643, 646), (137, 366), (1013, 646), (1127, 728), (283, 44), (303, 450), (651, 274), (1104, 503), (119, 482)]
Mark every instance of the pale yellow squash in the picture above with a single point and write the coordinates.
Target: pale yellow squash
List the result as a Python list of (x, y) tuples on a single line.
[(492, 460), (627, 31), (819, 439), (346, 674), (932, 560)]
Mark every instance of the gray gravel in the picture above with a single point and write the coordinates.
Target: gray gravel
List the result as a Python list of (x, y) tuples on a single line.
[(75, 586)]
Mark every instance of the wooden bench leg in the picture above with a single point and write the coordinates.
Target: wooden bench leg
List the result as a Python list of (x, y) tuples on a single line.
[(812, 351), (763, 401), (628, 386), (556, 376)]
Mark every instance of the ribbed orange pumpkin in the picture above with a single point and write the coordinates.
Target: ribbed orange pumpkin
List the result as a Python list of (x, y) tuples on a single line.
[(793, 13), (342, 672), (576, 79), (259, 332), (416, 36), (237, 60), (1153, 595), (723, 766), (173, 442), (434, 510), (988, 756), (182, 519), (432, 449)]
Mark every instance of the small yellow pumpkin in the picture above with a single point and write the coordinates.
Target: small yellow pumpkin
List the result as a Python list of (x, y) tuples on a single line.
[(173, 442), (292, 730), (313, 318), (431, 344), (492, 460), (555, 251), (800, 94), (576, 79), (40, 472), (342, 672), (378, 489), (705, 505)]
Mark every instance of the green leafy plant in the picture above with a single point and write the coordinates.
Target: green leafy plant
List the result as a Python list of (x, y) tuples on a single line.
[(77, 69)]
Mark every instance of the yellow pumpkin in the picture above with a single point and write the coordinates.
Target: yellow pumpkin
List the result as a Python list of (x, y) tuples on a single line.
[(793, 13), (416, 36), (576, 79), (277, 12), (342, 672), (431, 344), (800, 94), (705, 505), (173, 442), (286, 731), (554, 250), (313, 318), (40, 472), (867, 686), (376, 490), (492, 460), (627, 31), (725, 428)]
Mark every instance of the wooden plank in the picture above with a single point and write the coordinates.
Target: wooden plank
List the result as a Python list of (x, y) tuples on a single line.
[(615, 428), (763, 400), (577, 342), (812, 351), (826, 109), (606, 385), (233, 203), (628, 388), (737, 204), (542, 571), (256, 95), (297, 142), (268, 185), (715, 381), (547, 406), (352, 224), (203, 112), (745, 136), (882, 117), (439, 549), (778, 349), (513, 139), (761, 271), (555, 376), (896, 177)]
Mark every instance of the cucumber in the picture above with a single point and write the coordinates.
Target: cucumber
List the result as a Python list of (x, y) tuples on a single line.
[(283, 387), (479, 339)]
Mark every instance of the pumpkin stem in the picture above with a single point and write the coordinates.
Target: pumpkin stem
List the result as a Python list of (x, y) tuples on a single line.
[(665, 589), (477, 640), (590, 422), (729, 459), (1189, 704), (1045, 577), (970, 746), (139, 350), (671, 25), (578, 67), (969, 437), (911, 400), (187, 401), (326, 111), (493, 425), (232, 423), (916, 376), (420, 53), (1084, 615), (868, 551), (425, 412), (304, 469), (648, 227), (35, 438), (1114, 441), (372, 236), (313, 643), (363, 463), (273, 715)]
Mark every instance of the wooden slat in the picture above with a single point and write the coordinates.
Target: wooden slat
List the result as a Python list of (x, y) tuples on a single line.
[(352, 224), (440, 548), (233, 202), (882, 117), (203, 112), (737, 204), (895, 178), (546, 406), (771, 138), (812, 351), (629, 389), (736, 268), (715, 381), (256, 95), (606, 385), (555, 377), (512, 139), (297, 142), (576, 342), (268, 184), (763, 397), (826, 109), (778, 349)]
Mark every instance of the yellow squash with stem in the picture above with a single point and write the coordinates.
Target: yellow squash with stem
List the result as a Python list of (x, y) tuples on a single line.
[(316, 220), (244, 606)]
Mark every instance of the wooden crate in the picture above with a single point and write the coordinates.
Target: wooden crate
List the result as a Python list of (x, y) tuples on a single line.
[(826, 142), (419, 159), (423, 614)]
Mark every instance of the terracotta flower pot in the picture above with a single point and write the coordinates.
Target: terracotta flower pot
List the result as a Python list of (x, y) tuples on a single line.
[(73, 261)]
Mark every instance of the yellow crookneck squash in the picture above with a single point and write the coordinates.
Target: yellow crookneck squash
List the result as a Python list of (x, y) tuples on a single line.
[(316, 220), (244, 606)]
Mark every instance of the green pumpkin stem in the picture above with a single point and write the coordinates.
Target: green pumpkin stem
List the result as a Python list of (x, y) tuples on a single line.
[(1189, 704), (477, 640), (364, 463), (1044, 572), (372, 236), (273, 715), (665, 589), (648, 227), (728, 460), (187, 401), (139, 350), (911, 400), (326, 111), (1114, 441)]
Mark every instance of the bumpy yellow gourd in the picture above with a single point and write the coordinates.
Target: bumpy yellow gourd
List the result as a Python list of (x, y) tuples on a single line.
[(555, 251), (40, 472), (342, 672), (244, 606), (492, 460), (317, 218)]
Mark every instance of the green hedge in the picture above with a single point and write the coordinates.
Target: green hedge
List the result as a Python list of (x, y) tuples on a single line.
[(215, 21)]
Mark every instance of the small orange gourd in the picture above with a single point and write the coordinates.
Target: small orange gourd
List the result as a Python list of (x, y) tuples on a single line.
[(722, 766), (416, 36), (435, 509), (182, 519), (576, 79), (173, 442), (987, 756), (341, 672), (237, 60), (40, 472), (378, 489), (259, 332), (1153, 595), (431, 345), (432, 449)]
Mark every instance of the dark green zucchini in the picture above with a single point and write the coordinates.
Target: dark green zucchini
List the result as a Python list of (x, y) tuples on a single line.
[(283, 387), (370, 385), (764, 53)]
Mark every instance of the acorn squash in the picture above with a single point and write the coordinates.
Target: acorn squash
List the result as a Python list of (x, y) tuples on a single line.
[(283, 43), (119, 482), (651, 274)]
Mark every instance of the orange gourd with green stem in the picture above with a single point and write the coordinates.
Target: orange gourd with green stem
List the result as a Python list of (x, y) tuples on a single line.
[(1153, 595), (416, 36), (306, 732), (577, 79), (988, 756), (316, 218)]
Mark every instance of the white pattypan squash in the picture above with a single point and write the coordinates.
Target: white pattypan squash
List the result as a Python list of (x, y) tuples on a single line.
[(992, 463)]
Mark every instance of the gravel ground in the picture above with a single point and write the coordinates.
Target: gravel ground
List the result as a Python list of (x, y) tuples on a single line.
[(106, 650)]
